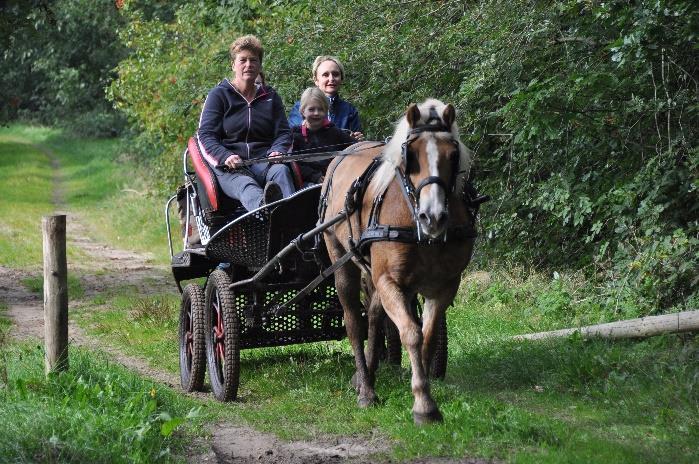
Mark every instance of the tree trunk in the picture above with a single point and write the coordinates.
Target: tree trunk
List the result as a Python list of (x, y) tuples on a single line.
[(686, 321)]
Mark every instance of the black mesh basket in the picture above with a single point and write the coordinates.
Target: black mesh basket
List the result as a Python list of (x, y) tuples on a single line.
[(317, 317), (243, 242)]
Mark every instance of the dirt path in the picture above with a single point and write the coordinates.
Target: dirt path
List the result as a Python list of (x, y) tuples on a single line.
[(108, 269)]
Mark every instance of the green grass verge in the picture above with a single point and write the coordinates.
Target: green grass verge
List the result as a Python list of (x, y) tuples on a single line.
[(140, 326), (557, 401), (97, 182), (95, 412), (26, 197)]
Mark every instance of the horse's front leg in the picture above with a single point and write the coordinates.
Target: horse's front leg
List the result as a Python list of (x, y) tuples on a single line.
[(433, 311), (347, 282), (396, 304)]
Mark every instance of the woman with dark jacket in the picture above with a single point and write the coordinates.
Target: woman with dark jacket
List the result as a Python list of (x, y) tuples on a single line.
[(317, 134), (243, 120)]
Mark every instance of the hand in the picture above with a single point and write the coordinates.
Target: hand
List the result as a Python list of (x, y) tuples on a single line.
[(274, 154), (233, 161), (358, 136)]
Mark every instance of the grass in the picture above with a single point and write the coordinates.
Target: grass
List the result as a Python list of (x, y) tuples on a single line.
[(26, 193), (140, 326), (97, 182), (75, 288), (95, 412), (567, 400)]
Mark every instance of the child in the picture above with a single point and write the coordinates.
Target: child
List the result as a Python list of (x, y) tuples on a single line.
[(317, 134)]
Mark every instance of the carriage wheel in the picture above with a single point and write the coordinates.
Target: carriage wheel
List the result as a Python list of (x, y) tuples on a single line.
[(191, 336), (438, 368), (222, 337), (393, 346)]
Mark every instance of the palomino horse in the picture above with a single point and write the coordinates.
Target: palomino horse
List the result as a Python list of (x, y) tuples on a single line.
[(411, 231)]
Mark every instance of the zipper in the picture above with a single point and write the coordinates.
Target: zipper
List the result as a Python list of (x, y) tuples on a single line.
[(247, 134)]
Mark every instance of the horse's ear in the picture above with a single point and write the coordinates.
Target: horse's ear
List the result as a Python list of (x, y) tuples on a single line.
[(412, 114), (449, 115)]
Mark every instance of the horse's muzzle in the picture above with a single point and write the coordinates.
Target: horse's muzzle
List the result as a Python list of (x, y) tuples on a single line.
[(433, 225)]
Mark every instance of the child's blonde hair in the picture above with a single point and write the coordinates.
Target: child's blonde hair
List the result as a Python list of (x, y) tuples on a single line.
[(313, 94)]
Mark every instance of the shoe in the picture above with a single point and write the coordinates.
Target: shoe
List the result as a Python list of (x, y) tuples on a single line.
[(271, 193)]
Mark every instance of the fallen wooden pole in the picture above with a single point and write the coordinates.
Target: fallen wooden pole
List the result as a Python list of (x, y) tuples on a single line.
[(55, 293), (686, 321)]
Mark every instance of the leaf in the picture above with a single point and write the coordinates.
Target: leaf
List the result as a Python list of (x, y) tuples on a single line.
[(169, 426)]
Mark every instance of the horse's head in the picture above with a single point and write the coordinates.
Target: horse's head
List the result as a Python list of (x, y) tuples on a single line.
[(432, 159)]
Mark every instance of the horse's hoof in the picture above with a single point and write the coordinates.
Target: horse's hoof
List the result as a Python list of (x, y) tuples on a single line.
[(428, 418), (367, 401)]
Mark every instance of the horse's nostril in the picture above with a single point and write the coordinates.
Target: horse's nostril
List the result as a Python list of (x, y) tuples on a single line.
[(424, 218), (442, 219)]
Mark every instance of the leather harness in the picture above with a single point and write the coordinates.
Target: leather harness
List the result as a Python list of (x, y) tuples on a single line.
[(375, 231)]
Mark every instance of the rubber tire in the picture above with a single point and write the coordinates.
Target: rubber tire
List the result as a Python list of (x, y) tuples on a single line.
[(438, 367), (191, 336), (222, 354), (393, 346)]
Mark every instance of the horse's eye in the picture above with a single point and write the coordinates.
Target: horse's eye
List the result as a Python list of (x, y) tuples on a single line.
[(411, 163)]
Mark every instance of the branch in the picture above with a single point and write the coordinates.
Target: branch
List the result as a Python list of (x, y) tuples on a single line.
[(585, 40)]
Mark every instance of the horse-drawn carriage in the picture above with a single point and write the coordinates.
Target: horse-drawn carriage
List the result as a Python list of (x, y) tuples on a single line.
[(270, 279)]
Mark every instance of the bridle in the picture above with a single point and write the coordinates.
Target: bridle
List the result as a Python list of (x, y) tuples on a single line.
[(411, 193)]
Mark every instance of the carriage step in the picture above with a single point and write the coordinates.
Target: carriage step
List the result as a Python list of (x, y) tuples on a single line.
[(191, 264)]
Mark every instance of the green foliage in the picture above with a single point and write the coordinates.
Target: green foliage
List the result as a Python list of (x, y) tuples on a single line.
[(583, 115), (94, 412), (163, 83), (58, 59)]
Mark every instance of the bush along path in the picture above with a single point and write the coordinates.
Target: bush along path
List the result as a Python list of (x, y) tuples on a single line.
[(98, 271)]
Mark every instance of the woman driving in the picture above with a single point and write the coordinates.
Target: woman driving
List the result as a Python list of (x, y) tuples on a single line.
[(243, 120)]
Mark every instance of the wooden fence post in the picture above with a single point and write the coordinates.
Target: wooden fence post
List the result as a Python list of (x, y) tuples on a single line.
[(55, 293)]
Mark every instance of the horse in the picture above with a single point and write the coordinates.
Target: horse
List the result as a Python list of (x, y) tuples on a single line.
[(408, 228)]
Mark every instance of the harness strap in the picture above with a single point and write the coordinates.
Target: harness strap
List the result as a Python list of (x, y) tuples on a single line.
[(384, 233), (431, 180)]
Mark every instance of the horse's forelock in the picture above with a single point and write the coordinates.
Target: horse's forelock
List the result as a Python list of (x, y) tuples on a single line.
[(393, 154)]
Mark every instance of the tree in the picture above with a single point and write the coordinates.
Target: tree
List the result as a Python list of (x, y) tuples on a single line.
[(58, 58)]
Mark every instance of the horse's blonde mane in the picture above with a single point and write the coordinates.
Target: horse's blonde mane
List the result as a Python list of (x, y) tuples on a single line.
[(393, 156)]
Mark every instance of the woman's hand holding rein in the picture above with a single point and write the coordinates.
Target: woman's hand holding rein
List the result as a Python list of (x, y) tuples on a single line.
[(233, 161)]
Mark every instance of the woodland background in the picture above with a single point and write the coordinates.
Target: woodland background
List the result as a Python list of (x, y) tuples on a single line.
[(583, 114)]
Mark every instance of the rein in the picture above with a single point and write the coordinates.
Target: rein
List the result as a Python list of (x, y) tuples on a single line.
[(298, 156)]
